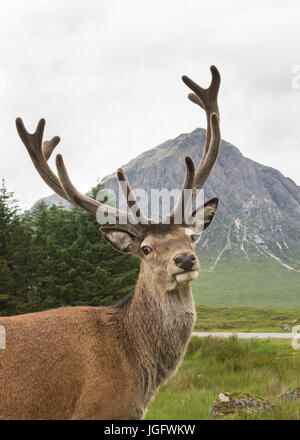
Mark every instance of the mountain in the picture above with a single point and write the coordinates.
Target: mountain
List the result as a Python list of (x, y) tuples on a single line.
[(54, 199), (250, 255)]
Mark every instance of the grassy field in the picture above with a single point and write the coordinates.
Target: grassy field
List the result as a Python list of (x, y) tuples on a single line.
[(244, 319), (212, 366), (259, 284)]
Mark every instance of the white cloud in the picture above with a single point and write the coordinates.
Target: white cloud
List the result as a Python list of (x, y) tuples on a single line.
[(106, 76)]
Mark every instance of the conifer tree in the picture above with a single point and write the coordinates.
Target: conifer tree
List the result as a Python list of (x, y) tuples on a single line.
[(53, 257)]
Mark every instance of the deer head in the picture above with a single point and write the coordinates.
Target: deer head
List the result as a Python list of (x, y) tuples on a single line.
[(167, 249)]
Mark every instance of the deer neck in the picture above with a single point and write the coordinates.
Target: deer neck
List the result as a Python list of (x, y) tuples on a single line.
[(159, 323)]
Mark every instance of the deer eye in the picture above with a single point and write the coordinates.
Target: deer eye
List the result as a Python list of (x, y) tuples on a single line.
[(195, 238), (146, 250)]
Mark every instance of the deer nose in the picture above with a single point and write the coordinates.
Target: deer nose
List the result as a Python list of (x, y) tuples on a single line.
[(185, 262)]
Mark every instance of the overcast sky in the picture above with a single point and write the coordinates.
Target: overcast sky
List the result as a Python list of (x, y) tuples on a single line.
[(105, 74)]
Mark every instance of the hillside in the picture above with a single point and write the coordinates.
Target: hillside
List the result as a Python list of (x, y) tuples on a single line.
[(251, 253)]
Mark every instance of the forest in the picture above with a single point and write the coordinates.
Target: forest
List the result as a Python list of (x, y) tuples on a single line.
[(52, 257)]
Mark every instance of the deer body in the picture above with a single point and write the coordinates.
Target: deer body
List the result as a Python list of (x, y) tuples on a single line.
[(107, 362), (94, 362)]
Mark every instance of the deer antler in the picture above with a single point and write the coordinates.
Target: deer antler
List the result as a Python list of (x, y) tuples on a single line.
[(40, 152), (208, 100)]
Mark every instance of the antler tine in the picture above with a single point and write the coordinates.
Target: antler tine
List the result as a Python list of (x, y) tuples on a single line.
[(206, 98), (130, 196), (48, 147), (73, 194), (39, 153), (188, 183)]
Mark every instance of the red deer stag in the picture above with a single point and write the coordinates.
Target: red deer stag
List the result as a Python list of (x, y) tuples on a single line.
[(107, 362)]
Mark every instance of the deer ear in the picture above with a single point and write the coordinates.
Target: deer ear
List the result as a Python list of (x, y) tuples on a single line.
[(120, 240), (205, 214)]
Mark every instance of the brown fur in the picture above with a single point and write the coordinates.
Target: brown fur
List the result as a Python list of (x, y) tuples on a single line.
[(100, 362)]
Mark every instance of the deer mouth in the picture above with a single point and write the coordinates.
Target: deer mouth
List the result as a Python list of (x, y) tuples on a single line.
[(186, 276)]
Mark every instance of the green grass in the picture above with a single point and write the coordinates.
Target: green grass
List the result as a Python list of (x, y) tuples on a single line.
[(244, 319), (213, 365), (261, 284)]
